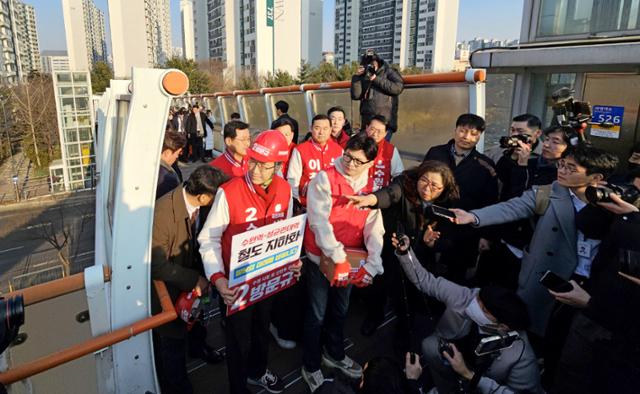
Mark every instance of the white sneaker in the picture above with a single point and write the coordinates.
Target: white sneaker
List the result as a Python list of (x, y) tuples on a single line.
[(283, 343), (349, 367), (314, 379)]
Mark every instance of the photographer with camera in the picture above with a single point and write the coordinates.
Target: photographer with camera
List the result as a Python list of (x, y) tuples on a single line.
[(525, 128), (564, 241), (602, 350), (479, 344), (377, 86), (500, 264)]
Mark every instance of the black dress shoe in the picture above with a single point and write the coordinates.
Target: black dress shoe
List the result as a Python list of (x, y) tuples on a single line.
[(209, 355), (369, 326)]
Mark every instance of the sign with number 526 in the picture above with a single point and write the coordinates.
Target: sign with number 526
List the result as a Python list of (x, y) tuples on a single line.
[(606, 121)]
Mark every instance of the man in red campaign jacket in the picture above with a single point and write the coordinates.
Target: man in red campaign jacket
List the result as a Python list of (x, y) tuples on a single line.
[(388, 163), (311, 157), (234, 162), (258, 198), (332, 226), (338, 121), (285, 126)]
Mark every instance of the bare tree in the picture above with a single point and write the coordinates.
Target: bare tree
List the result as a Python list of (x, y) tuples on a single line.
[(63, 233), (34, 111)]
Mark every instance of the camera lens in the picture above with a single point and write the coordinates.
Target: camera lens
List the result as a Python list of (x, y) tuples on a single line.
[(596, 194)]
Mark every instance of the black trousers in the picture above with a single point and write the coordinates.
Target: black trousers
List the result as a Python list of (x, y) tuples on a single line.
[(171, 364), (287, 314), (498, 266), (247, 341), (411, 307), (197, 148)]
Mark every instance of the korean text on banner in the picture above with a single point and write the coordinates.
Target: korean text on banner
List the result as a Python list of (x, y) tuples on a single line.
[(260, 261)]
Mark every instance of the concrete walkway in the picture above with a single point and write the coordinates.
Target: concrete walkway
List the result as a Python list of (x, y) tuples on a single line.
[(28, 186)]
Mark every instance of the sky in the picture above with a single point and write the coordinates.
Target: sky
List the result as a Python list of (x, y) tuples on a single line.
[(499, 19)]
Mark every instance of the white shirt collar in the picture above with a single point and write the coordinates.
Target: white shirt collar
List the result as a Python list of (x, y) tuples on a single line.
[(578, 204), (190, 208)]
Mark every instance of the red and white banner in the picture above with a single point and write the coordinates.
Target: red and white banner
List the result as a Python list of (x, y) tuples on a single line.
[(260, 261)]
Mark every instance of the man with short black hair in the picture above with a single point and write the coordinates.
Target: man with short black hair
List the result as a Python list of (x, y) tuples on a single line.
[(476, 178), (235, 116), (173, 252), (388, 163), (473, 314), (559, 243), (282, 111), (311, 157), (474, 172), (333, 225), (524, 124), (339, 124), (169, 175), (196, 132), (286, 126), (237, 138)]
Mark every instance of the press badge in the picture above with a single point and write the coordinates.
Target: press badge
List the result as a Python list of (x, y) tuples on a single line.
[(584, 249)]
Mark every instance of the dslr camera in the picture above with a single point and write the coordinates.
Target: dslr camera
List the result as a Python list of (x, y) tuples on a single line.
[(367, 62), (511, 142), (627, 192)]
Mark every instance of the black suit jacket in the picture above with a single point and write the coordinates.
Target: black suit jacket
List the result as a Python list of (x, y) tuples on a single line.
[(475, 176), (191, 127)]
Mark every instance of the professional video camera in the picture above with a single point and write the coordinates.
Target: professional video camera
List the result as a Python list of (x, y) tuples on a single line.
[(511, 142), (569, 112), (367, 62), (627, 192)]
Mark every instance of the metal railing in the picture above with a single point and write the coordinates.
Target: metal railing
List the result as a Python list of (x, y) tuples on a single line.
[(70, 284)]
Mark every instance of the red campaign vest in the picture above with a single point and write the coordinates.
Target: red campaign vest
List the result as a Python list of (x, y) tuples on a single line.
[(227, 164), (348, 222), (380, 173), (342, 139), (315, 159), (247, 210), (285, 165)]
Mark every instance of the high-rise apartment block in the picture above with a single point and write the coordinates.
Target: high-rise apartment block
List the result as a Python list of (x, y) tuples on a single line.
[(25, 30), (410, 33), (261, 36), (18, 41), (53, 61), (138, 44), (84, 26)]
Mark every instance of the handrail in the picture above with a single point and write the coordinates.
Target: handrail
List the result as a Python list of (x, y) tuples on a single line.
[(94, 344), (55, 288), (478, 75)]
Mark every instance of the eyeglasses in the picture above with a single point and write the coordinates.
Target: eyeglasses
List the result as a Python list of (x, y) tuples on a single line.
[(261, 166), (562, 164), (356, 162), (430, 184)]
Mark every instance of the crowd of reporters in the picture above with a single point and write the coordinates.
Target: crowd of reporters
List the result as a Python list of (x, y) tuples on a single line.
[(539, 203)]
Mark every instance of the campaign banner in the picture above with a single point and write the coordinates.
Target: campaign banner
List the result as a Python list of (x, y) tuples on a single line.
[(260, 260)]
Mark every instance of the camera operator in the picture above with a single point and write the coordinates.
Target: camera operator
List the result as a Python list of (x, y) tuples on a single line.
[(500, 264), (602, 351), (470, 315), (377, 86), (522, 126)]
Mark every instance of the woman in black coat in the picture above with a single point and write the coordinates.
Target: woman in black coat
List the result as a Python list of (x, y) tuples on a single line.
[(406, 208)]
